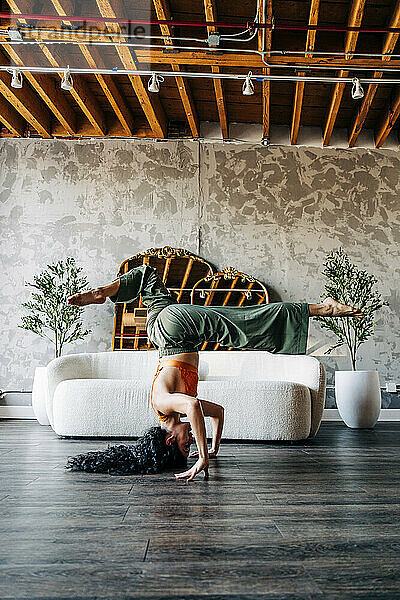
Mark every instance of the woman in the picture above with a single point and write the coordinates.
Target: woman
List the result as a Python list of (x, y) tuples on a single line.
[(178, 331)]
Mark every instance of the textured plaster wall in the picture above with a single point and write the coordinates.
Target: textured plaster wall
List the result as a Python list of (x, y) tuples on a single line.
[(271, 212)]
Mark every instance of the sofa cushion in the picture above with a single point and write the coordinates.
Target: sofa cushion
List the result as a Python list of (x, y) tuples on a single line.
[(261, 410), (102, 407)]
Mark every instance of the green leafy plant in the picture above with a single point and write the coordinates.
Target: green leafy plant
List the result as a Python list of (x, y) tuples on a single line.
[(50, 316), (350, 285)]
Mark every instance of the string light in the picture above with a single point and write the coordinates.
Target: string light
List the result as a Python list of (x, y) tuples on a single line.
[(357, 91), (67, 82), (16, 79), (248, 86), (154, 83), (14, 34)]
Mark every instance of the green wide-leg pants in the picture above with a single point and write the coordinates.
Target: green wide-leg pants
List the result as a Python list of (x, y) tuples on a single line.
[(278, 327)]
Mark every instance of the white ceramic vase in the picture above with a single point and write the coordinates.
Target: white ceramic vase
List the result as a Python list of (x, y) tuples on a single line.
[(358, 397), (39, 395)]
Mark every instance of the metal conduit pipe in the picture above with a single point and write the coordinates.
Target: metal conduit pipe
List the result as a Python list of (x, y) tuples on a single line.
[(90, 34), (347, 66), (194, 48), (171, 23), (189, 75)]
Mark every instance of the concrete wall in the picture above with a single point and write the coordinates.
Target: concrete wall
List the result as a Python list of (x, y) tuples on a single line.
[(271, 212)]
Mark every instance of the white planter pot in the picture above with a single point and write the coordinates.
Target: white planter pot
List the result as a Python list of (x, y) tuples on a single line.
[(358, 397), (39, 395)]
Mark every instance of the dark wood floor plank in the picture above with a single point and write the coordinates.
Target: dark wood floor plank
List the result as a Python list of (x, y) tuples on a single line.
[(304, 495), (184, 512), (370, 579), (303, 521), (272, 549), (60, 515), (66, 551)]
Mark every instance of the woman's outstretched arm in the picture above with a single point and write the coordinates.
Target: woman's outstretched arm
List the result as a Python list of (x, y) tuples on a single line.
[(216, 413), (96, 296), (192, 408), (142, 280)]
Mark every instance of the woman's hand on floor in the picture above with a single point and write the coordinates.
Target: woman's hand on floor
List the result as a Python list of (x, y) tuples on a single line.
[(211, 453), (200, 465)]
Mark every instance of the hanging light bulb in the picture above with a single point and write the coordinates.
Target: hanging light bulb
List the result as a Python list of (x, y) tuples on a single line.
[(67, 82), (357, 91), (248, 86), (16, 79), (14, 34), (154, 83)]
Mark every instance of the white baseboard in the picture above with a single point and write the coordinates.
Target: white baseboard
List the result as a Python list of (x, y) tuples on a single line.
[(387, 414), (16, 412)]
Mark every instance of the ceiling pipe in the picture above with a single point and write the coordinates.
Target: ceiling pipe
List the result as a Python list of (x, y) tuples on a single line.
[(347, 67), (171, 23), (99, 34), (189, 75)]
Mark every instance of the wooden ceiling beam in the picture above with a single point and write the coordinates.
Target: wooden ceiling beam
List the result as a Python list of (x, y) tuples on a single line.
[(11, 118), (388, 47), (297, 106), (82, 94), (112, 93), (299, 91), (211, 15), (354, 20), (264, 42), (80, 91), (362, 112), (26, 103), (163, 12), (45, 87), (221, 104), (388, 121), (253, 61), (94, 59), (151, 106)]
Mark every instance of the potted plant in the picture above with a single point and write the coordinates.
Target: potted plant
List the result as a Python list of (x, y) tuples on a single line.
[(52, 318), (358, 394)]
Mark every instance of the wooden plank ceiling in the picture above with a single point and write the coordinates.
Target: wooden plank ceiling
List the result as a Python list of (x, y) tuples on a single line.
[(121, 105)]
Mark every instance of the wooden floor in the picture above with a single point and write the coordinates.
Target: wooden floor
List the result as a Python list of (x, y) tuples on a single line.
[(319, 520)]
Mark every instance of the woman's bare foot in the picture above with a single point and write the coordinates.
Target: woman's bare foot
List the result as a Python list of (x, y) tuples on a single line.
[(90, 297), (336, 309), (332, 308)]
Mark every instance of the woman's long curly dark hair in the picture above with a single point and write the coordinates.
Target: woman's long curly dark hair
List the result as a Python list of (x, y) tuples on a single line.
[(149, 455)]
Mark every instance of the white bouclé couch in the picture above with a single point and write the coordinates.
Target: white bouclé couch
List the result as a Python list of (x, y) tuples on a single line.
[(265, 396)]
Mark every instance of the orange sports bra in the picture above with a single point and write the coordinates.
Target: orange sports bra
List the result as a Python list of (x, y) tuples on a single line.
[(190, 378)]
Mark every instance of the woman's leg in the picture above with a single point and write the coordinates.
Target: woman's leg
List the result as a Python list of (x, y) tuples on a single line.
[(333, 308)]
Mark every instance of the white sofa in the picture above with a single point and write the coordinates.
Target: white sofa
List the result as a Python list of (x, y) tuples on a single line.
[(265, 396)]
